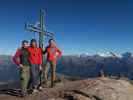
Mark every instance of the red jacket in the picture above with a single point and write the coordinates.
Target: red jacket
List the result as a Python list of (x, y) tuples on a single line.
[(22, 57), (35, 55), (16, 57), (51, 53)]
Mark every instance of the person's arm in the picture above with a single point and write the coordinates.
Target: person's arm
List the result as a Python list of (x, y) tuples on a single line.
[(16, 57), (59, 52)]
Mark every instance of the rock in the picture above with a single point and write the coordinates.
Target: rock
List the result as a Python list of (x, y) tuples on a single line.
[(81, 97), (89, 89), (105, 89)]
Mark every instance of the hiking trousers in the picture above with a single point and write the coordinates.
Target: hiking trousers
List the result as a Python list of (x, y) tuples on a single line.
[(53, 71), (35, 76), (24, 77)]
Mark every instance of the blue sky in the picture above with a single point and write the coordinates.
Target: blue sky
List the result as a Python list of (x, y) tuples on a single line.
[(79, 25)]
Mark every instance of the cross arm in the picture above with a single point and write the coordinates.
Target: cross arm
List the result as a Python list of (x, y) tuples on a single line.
[(32, 28)]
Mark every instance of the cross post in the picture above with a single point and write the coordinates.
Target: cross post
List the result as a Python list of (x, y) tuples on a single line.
[(40, 29)]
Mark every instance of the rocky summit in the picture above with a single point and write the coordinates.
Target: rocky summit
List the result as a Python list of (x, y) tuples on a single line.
[(89, 89)]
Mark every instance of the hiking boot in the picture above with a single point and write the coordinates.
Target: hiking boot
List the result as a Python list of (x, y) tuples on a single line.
[(35, 91), (56, 81), (23, 93), (40, 88), (45, 84)]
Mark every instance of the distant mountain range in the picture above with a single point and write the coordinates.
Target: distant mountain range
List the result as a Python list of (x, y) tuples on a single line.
[(83, 65), (8, 71)]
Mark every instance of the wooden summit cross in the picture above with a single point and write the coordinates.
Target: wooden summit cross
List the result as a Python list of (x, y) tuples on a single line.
[(40, 28)]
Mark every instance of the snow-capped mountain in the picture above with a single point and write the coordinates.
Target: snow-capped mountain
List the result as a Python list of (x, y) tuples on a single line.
[(102, 54), (109, 54)]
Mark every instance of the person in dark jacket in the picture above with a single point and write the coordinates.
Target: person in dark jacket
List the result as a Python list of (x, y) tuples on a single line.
[(21, 59)]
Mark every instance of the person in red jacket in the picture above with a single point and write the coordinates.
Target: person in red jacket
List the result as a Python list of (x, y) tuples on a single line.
[(35, 59), (21, 59), (53, 53)]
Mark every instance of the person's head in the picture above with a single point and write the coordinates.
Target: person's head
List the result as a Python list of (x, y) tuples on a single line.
[(52, 42), (33, 43), (25, 44)]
